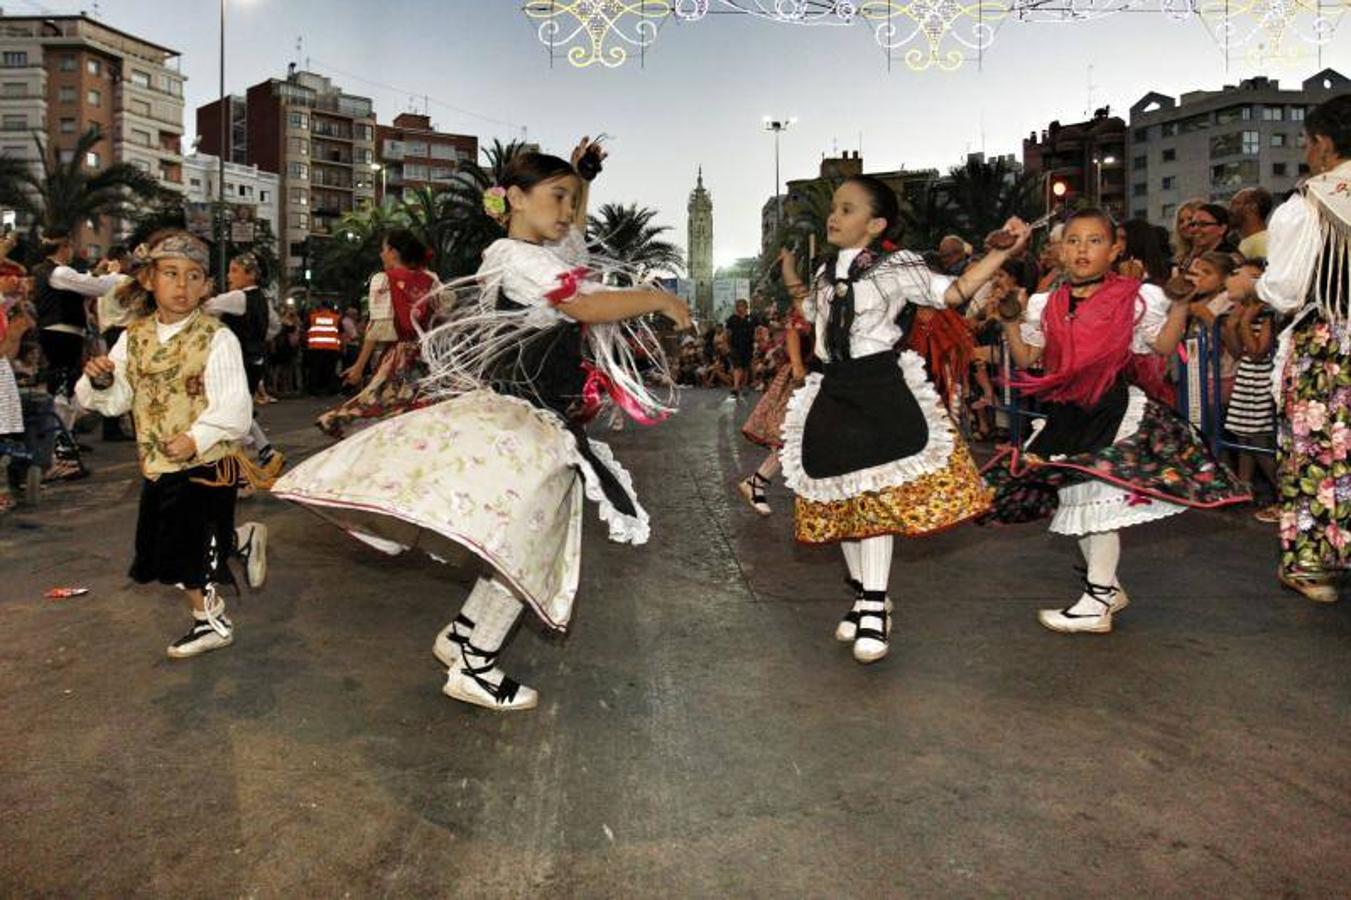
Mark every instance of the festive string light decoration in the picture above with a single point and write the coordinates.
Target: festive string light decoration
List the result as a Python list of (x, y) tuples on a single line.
[(931, 34), (1273, 31), (598, 32), (934, 33)]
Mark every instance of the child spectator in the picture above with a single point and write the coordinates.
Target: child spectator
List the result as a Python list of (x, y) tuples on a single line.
[(1251, 415)]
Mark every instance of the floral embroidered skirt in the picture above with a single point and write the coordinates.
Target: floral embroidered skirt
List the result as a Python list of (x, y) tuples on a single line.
[(483, 473), (765, 424), (393, 389), (1314, 446), (928, 484), (1158, 466)]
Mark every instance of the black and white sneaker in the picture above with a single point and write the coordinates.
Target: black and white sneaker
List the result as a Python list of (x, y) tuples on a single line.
[(251, 548), (206, 635)]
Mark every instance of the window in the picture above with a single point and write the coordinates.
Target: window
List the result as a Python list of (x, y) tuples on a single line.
[(67, 63), (246, 190), (1233, 114), (446, 151), (67, 126), (140, 108), (303, 220), (140, 78), (1140, 214), (417, 148), (1273, 114), (65, 156), (300, 146), (1142, 135), (14, 59), (15, 152), (65, 95), (15, 89), (264, 196), (300, 197), (1169, 183), (363, 156), (141, 164), (442, 173), (195, 182), (1169, 129), (1169, 210), (1299, 140), (1279, 169), (94, 66), (173, 86), (1304, 168), (1140, 190), (1234, 175), (92, 160), (299, 120), (140, 137), (1278, 140), (1252, 141), (1170, 155), (365, 133), (1296, 114), (14, 123), (1140, 162), (94, 98), (298, 170)]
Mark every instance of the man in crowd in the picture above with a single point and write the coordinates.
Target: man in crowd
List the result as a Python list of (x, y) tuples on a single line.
[(741, 342), (61, 292), (1249, 210), (954, 254)]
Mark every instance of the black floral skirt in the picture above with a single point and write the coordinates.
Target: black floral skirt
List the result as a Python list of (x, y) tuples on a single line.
[(1163, 459)]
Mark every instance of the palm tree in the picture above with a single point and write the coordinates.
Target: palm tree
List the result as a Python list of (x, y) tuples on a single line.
[(347, 260), (982, 194), (626, 234), (67, 194), (469, 229)]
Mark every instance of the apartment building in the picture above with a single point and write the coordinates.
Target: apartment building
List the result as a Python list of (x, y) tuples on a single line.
[(61, 75), (412, 154), (1212, 143), (319, 139), (251, 193)]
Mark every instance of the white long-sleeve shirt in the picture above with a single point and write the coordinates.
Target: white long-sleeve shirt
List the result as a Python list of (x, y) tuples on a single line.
[(67, 279), (230, 303), (229, 406), (1294, 240)]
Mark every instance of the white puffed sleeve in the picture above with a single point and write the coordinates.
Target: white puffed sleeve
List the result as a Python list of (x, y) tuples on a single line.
[(1031, 329), (1152, 306), (378, 299), (1294, 240)]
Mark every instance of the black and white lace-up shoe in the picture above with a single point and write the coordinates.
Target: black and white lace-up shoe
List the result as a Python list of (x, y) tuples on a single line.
[(449, 646), (211, 632), (848, 627), (477, 680), (1091, 614), (871, 640), (251, 548)]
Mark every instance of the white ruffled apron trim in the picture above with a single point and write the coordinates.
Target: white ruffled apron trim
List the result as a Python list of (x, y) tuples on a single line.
[(1094, 506), (933, 458)]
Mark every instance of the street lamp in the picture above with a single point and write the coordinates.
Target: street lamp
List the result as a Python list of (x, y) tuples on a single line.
[(221, 264), (1054, 187), (778, 126), (380, 170), (1100, 162)]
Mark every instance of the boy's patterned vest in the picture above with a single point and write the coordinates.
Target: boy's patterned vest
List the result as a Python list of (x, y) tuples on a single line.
[(168, 383)]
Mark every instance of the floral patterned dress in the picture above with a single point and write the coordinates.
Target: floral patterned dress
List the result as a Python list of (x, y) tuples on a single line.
[(497, 477)]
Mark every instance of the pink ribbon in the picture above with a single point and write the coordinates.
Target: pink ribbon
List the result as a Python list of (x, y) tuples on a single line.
[(599, 385), (1138, 499)]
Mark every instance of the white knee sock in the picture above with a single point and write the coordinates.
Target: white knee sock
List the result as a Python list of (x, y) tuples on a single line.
[(497, 612), (853, 559), (770, 467), (479, 599), (257, 437), (875, 556), (1101, 552)]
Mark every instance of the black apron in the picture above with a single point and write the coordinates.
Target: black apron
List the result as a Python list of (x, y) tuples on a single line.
[(864, 415)]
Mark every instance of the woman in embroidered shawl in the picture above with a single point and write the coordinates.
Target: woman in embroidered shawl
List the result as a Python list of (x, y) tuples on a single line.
[(869, 448), (1308, 276), (1110, 453), (501, 468)]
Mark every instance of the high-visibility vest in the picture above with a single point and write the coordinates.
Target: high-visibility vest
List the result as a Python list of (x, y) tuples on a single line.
[(323, 333)]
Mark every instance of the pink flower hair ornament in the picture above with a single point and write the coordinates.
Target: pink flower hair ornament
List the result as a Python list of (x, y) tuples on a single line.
[(495, 203)]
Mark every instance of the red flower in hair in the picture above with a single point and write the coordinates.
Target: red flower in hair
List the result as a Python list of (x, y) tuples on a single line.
[(888, 246)]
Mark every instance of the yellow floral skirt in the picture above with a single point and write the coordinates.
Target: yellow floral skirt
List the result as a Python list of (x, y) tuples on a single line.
[(929, 504)]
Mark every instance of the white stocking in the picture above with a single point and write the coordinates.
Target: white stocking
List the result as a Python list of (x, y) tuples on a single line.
[(1102, 552), (853, 559), (875, 556), (497, 612)]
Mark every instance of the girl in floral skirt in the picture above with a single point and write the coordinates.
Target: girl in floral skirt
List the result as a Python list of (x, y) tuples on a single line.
[(869, 448), (1108, 454), (502, 467)]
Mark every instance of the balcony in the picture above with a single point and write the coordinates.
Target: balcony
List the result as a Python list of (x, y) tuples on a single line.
[(330, 130)]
